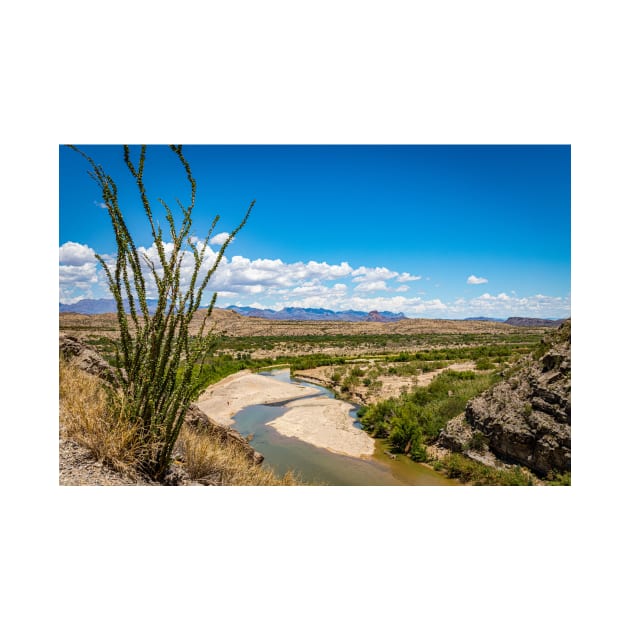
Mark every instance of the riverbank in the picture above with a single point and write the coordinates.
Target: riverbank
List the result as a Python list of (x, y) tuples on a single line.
[(389, 385), (316, 419)]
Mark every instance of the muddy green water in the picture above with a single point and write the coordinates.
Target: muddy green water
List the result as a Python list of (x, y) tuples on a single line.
[(320, 466)]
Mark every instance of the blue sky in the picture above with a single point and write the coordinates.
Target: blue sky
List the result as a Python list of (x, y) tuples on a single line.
[(432, 231)]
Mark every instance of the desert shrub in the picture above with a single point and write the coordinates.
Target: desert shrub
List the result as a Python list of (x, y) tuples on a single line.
[(403, 429), (376, 418), (484, 363), (478, 441), (555, 478), (415, 419), (466, 470), (418, 451), (349, 383), (335, 377), (158, 362)]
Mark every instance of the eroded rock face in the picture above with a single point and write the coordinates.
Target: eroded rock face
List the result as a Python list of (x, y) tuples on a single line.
[(527, 418), (456, 435), (86, 359)]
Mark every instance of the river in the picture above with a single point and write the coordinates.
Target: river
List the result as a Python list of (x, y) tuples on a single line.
[(318, 465)]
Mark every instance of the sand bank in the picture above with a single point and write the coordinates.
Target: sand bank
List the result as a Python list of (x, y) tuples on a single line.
[(324, 422), (226, 398)]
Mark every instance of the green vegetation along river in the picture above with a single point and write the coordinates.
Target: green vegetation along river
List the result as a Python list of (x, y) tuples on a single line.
[(320, 466)]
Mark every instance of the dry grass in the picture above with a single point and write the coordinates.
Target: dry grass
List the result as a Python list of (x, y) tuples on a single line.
[(90, 417), (206, 458)]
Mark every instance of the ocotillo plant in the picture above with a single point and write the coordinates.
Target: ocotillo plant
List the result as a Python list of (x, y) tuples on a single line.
[(157, 358)]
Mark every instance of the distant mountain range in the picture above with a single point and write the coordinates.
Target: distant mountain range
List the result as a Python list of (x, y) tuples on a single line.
[(319, 314), (100, 306), (108, 305), (519, 321), (533, 321), (484, 319)]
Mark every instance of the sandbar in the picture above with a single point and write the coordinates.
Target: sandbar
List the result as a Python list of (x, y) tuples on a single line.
[(226, 398), (324, 422)]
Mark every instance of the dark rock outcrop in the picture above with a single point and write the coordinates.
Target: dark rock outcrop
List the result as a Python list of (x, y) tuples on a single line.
[(81, 355), (526, 419)]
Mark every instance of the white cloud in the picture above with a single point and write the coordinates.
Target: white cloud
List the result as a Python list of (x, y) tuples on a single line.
[(310, 288), (276, 284), (315, 290), (407, 277), (378, 285), (371, 274), (475, 280), (503, 305), (253, 289), (500, 306), (374, 274), (77, 278), (241, 271), (75, 254), (69, 274), (219, 239), (71, 300)]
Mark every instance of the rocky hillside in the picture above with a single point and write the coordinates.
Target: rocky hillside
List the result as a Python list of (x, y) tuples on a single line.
[(74, 459), (525, 419)]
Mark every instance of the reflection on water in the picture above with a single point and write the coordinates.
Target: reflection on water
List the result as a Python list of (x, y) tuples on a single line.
[(317, 465)]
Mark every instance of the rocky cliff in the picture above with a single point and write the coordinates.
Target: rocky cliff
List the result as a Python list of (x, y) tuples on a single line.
[(526, 418)]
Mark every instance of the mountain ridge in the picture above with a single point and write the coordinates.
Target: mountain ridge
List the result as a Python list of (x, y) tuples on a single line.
[(317, 314), (101, 306)]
